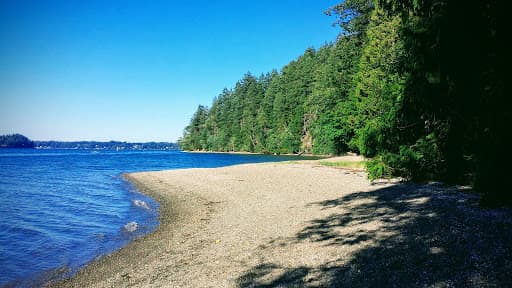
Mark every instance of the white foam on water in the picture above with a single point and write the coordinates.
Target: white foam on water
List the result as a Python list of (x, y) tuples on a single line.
[(140, 203), (131, 226)]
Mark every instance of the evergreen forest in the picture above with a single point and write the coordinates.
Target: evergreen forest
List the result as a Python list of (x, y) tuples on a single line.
[(15, 141), (416, 86)]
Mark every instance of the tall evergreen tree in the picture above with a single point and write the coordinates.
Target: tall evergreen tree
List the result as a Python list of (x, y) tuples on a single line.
[(195, 134)]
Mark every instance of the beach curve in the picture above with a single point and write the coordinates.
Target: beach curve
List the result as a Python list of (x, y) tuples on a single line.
[(293, 224)]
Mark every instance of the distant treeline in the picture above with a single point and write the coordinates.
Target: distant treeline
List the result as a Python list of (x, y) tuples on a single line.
[(20, 141), (111, 145), (15, 141), (416, 86)]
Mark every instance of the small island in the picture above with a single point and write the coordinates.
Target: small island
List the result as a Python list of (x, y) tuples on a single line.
[(15, 141)]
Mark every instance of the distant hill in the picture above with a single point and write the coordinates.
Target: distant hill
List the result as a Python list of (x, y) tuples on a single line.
[(111, 145), (15, 141)]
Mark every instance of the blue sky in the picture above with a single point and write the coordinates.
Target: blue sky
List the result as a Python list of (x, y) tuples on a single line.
[(136, 70)]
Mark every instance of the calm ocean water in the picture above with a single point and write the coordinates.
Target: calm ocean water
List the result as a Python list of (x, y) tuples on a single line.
[(60, 209)]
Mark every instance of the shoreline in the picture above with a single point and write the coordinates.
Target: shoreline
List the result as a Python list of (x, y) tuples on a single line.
[(305, 155), (304, 224), (181, 210), (175, 212), (222, 152)]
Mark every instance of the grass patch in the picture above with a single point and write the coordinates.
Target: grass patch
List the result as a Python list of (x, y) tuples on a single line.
[(288, 162), (344, 164)]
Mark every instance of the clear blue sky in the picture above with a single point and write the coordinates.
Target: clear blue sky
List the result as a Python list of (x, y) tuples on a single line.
[(136, 70)]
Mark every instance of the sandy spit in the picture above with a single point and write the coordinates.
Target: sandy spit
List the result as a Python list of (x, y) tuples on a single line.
[(301, 224)]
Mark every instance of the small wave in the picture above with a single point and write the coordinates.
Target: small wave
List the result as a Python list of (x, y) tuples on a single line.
[(140, 203), (100, 236), (130, 226)]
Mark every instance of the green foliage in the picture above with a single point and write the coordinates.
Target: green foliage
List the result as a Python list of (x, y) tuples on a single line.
[(195, 136), (379, 86), (344, 164), (353, 15), (377, 168), (332, 126)]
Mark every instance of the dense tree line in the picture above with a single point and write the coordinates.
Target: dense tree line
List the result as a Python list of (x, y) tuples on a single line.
[(415, 86), (15, 141)]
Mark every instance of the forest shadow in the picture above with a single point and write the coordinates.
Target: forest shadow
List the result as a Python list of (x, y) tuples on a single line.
[(405, 235)]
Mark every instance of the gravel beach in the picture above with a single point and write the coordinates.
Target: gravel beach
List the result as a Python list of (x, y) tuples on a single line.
[(303, 224)]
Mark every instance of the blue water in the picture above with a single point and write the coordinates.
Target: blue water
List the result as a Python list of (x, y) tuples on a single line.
[(60, 209)]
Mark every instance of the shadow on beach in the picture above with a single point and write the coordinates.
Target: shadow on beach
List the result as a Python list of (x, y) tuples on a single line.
[(405, 235)]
